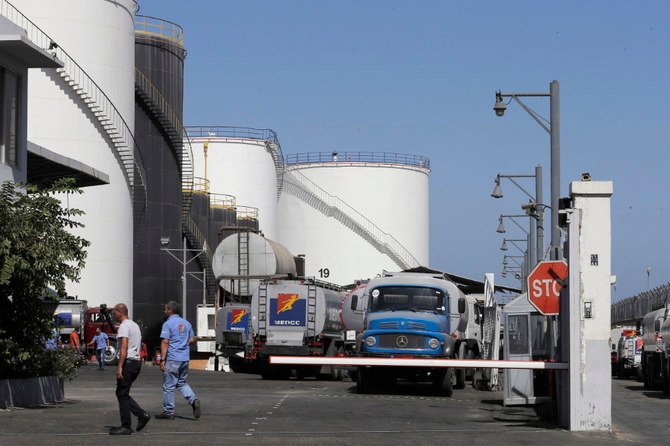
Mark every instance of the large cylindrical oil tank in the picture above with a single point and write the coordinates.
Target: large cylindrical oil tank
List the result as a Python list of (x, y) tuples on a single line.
[(286, 311), (240, 162), (354, 214), (159, 63), (99, 37), (265, 258)]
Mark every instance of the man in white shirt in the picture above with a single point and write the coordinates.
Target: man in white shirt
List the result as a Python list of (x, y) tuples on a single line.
[(129, 342)]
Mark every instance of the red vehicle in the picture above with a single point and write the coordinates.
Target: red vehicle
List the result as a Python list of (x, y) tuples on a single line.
[(73, 313)]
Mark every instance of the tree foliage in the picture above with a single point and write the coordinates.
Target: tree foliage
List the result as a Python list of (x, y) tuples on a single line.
[(37, 251)]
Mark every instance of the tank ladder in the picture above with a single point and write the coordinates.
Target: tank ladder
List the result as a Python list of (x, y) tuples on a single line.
[(262, 308), (311, 311), (243, 261)]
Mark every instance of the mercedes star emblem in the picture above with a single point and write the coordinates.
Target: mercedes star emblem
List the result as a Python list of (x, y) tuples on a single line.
[(402, 341)]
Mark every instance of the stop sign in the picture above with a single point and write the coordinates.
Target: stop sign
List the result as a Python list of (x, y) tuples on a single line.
[(544, 285)]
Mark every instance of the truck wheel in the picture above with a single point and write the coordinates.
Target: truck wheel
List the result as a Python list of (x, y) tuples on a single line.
[(666, 377), (364, 380), (447, 386), (470, 373), (112, 354), (460, 379), (236, 364)]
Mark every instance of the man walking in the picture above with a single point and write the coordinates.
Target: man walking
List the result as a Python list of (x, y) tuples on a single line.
[(74, 339), (176, 336), (129, 367), (101, 345)]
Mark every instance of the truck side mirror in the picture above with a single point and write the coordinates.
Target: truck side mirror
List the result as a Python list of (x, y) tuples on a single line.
[(657, 325), (461, 305), (354, 302)]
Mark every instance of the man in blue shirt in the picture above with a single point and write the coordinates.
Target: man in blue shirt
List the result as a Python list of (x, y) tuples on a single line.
[(101, 345), (176, 334)]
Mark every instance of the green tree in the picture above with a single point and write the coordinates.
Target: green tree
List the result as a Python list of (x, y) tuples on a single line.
[(36, 252)]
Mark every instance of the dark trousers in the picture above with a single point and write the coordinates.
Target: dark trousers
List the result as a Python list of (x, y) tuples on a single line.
[(131, 370)]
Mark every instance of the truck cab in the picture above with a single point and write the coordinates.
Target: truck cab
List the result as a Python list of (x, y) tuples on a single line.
[(409, 315)]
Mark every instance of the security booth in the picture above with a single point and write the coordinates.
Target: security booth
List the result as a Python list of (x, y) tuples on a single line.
[(526, 337)]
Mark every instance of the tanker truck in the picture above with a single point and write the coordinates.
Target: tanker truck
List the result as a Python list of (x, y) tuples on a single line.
[(412, 315), (298, 317), (653, 348), (232, 334)]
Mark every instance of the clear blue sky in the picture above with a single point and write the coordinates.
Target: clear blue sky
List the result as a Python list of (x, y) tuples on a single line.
[(420, 78)]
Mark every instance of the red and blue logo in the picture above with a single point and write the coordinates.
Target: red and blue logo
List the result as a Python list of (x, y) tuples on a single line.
[(238, 320), (288, 310)]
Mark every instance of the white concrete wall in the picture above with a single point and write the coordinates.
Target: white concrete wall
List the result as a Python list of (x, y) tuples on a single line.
[(99, 36), (590, 378)]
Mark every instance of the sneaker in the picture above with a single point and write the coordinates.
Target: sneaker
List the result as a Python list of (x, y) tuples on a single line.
[(164, 416), (142, 421), (120, 431), (196, 408)]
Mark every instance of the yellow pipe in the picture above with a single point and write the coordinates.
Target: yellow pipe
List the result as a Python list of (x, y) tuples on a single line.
[(205, 146)]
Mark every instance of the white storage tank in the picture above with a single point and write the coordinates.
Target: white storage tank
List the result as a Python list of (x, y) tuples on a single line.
[(264, 257), (354, 214), (244, 162), (99, 37)]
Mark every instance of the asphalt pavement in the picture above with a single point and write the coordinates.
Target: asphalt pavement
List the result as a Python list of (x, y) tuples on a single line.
[(244, 409)]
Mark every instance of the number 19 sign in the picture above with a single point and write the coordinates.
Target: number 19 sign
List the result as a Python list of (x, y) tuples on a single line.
[(544, 286)]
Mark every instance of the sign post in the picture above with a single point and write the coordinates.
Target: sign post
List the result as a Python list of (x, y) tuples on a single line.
[(544, 286)]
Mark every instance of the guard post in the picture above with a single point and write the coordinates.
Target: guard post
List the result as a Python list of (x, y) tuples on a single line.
[(585, 387)]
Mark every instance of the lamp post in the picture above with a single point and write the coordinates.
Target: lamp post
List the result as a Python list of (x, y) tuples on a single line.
[(530, 234), (554, 133), (165, 241), (532, 207)]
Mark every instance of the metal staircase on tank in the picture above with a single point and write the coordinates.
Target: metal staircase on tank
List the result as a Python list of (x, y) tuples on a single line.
[(197, 240), (243, 260), (311, 193), (171, 125), (104, 110)]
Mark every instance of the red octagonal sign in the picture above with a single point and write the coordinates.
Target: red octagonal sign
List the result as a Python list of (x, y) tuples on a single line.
[(544, 285)]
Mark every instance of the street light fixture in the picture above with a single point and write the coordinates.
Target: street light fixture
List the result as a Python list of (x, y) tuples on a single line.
[(554, 132), (503, 247), (649, 277), (531, 208)]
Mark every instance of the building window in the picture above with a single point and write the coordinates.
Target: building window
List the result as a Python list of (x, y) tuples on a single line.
[(9, 114)]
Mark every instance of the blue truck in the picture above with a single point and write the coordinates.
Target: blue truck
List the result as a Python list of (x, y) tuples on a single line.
[(413, 315)]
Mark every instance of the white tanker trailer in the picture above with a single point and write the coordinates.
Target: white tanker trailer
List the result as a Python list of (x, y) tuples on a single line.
[(296, 318)]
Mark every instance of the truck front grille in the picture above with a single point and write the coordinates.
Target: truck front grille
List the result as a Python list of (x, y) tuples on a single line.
[(401, 341)]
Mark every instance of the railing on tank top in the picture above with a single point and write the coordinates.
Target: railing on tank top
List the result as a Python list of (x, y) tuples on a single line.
[(164, 29), (175, 130), (100, 105), (247, 213), (268, 135), (222, 201), (384, 241), (358, 157)]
